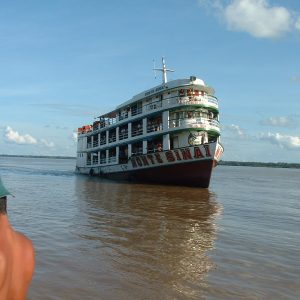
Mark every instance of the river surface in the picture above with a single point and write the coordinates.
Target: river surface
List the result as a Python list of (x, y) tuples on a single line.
[(100, 239)]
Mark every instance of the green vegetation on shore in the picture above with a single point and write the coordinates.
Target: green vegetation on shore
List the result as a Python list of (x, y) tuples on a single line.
[(260, 164), (38, 156)]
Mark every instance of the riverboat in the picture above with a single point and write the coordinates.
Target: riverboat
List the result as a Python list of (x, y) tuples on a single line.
[(169, 134)]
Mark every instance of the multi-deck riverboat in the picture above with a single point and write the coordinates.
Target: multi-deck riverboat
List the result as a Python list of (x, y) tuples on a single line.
[(169, 134)]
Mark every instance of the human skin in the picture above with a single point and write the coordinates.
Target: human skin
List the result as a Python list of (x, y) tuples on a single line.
[(16, 262)]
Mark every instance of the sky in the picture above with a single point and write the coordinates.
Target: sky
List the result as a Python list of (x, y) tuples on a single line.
[(64, 62)]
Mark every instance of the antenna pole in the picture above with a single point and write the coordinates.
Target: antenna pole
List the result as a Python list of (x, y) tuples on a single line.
[(164, 70)]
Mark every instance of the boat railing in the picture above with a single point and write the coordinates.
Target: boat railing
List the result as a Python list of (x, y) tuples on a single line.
[(95, 161), (136, 111), (89, 145), (212, 99), (102, 161), (123, 116), (103, 141), (112, 139), (153, 149), (154, 127), (206, 100), (103, 124), (112, 121), (123, 135), (136, 132), (192, 100), (214, 122), (112, 159), (88, 162), (193, 122), (136, 152), (95, 143), (153, 106)]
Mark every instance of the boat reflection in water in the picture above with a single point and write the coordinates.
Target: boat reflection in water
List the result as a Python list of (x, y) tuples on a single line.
[(154, 239)]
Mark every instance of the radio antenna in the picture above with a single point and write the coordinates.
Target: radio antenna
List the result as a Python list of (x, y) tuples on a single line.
[(164, 70)]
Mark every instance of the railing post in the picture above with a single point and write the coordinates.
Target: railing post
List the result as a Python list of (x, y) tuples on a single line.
[(165, 120), (117, 133), (145, 144), (166, 141), (129, 129), (107, 156), (107, 137), (117, 154), (144, 128), (129, 150)]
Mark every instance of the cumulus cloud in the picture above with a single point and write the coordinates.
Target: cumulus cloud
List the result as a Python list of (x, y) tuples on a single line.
[(236, 130), (15, 137), (73, 137), (279, 121), (47, 144), (256, 17), (284, 141)]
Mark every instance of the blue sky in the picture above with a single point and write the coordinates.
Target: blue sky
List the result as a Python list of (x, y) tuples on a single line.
[(65, 62)]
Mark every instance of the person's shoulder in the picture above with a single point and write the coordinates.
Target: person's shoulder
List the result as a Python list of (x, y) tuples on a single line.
[(2, 265), (26, 245), (25, 242), (27, 252)]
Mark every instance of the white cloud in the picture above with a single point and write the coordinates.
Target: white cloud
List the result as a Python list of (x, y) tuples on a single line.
[(47, 144), (74, 137), (256, 17), (279, 121), (284, 141), (25, 139), (236, 130), (15, 137)]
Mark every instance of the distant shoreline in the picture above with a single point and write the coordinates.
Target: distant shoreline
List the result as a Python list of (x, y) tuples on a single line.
[(38, 156), (222, 163), (260, 164)]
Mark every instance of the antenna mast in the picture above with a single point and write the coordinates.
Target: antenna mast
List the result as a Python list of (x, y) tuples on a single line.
[(164, 70)]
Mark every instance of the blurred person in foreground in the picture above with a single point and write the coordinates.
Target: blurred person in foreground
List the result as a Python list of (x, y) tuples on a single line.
[(16, 256)]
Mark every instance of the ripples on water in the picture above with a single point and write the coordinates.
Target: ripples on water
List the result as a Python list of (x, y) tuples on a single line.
[(98, 239)]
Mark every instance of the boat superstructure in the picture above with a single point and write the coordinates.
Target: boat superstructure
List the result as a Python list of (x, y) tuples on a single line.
[(167, 134)]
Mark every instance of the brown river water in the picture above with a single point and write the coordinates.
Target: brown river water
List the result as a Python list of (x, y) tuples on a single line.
[(100, 239)]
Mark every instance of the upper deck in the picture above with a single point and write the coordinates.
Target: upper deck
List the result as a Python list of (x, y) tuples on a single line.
[(167, 96)]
